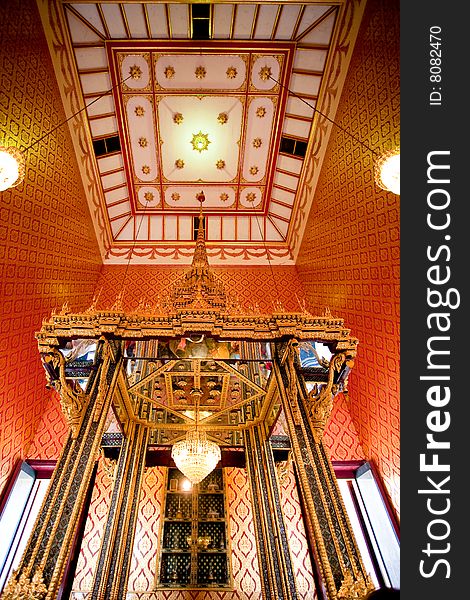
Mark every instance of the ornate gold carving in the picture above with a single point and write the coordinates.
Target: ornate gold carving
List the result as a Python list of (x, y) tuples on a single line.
[(231, 73), (250, 197), (25, 588), (169, 72), (260, 112), (145, 169), (143, 142), (291, 390), (179, 163), (178, 118), (265, 73), (222, 118), (200, 72), (139, 111), (220, 164), (103, 385), (321, 398), (148, 196), (254, 170), (72, 399), (175, 196), (353, 589), (224, 196), (108, 464), (283, 468), (135, 72), (200, 141), (199, 287), (257, 142)]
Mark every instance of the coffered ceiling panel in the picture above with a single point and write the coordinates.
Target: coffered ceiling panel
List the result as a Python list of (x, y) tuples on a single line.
[(187, 98)]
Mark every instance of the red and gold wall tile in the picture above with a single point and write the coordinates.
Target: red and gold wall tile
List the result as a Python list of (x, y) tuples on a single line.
[(350, 255), (48, 252)]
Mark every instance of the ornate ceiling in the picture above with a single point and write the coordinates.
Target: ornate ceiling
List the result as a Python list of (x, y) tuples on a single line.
[(170, 114)]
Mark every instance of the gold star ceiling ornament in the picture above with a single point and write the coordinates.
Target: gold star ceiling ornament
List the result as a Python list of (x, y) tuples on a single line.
[(222, 118), (200, 141), (200, 72), (257, 143), (175, 196), (169, 72), (139, 111), (148, 196), (143, 143), (220, 164), (231, 73), (224, 196), (179, 163), (265, 73), (178, 118), (135, 72), (260, 112)]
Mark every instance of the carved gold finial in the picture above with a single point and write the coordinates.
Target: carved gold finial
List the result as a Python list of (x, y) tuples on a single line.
[(354, 589), (24, 588), (199, 288)]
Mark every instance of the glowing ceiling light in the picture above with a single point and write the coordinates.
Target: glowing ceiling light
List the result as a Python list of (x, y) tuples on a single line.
[(387, 172), (200, 141), (11, 167)]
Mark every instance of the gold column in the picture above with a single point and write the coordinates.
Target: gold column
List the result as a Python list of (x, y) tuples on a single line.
[(276, 570), (336, 551), (40, 572), (110, 581)]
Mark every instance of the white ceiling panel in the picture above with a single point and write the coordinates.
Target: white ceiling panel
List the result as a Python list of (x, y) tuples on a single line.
[(114, 21), (157, 20), (199, 115), (135, 18)]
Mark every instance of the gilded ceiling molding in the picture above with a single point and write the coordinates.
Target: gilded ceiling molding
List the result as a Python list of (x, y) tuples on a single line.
[(329, 96), (223, 254), (60, 48)]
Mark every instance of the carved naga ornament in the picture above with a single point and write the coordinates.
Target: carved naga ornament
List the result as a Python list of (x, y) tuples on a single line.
[(72, 399), (321, 397)]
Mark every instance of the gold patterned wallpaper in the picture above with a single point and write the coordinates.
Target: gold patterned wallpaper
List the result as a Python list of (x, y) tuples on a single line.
[(350, 255), (48, 251)]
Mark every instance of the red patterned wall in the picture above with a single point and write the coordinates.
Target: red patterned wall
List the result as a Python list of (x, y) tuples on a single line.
[(144, 560), (51, 432), (297, 539), (254, 286), (349, 259), (94, 528), (48, 252)]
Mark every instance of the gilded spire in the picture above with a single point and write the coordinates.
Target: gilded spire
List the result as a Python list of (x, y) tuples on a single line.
[(199, 288)]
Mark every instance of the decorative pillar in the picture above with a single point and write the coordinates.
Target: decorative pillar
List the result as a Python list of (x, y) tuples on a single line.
[(112, 573), (276, 570), (335, 547), (40, 572)]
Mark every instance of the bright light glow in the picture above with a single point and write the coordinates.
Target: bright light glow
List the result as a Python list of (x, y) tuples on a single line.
[(196, 456), (11, 167), (186, 485), (388, 172)]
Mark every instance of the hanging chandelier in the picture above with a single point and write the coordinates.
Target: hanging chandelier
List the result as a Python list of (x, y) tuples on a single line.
[(196, 456)]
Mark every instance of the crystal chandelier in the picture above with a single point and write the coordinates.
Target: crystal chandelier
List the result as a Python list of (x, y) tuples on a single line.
[(196, 456)]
